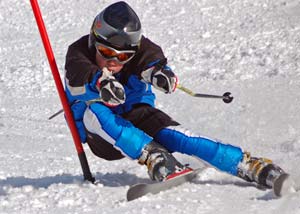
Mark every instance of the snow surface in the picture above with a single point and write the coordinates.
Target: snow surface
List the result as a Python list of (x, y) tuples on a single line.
[(248, 47)]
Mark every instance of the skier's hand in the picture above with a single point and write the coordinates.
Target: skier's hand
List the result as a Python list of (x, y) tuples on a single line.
[(161, 78), (110, 90)]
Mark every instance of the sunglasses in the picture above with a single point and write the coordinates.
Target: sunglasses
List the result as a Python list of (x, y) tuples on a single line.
[(110, 53)]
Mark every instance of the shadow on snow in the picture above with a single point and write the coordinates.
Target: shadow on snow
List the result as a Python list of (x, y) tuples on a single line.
[(109, 180)]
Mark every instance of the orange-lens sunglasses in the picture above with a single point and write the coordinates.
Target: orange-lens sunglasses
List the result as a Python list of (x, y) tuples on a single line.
[(110, 53)]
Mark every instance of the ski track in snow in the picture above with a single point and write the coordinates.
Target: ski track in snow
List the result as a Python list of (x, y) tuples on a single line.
[(248, 47)]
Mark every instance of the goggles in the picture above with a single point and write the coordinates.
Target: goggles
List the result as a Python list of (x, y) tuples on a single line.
[(110, 53)]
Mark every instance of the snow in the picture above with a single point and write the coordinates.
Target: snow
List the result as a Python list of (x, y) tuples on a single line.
[(248, 47)]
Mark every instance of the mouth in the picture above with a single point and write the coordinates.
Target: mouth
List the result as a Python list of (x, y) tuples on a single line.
[(113, 68)]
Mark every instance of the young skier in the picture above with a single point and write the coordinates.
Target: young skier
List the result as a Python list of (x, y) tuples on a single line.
[(109, 76)]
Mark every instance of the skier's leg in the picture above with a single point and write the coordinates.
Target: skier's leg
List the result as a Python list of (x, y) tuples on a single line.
[(107, 133), (120, 133), (159, 161), (260, 170), (225, 157), (101, 148)]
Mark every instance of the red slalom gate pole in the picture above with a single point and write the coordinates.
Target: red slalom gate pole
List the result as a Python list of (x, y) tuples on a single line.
[(59, 86)]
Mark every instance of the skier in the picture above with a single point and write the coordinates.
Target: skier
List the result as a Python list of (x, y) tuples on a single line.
[(109, 76)]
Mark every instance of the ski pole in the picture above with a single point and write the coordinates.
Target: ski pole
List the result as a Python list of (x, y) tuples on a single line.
[(56, 114), (69, 117), (76, 101), (225, 97)]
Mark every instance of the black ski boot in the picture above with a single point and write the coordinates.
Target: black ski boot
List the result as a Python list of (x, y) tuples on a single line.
[(160, 163), (261, 171)]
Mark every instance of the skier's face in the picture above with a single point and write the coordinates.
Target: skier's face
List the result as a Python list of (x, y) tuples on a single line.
[(112, 65), (112, 58)]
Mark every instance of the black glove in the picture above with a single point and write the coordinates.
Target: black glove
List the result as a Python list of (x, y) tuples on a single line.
[(161, 77), (110, 90)]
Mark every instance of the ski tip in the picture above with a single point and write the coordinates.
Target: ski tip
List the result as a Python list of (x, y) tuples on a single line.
[(130, 196), (136, 191), (278, 185)]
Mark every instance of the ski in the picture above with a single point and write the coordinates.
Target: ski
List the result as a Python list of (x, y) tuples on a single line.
[(278, 184), (141, 189)]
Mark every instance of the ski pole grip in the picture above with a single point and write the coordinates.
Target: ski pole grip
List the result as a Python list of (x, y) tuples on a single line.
[(186, 90)]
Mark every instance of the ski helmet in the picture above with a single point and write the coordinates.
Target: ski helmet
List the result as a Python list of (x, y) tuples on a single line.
[(117, 26)]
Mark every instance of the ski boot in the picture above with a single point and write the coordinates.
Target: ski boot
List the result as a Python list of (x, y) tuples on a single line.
[(160, 163), (262, 171)]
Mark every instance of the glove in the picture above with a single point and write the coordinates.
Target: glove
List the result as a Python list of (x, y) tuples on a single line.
[(111, 91), (161, 77)]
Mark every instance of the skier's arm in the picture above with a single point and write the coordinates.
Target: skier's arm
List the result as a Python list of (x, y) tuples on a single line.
[(81, 73), (152, 67), (79, 66), (85, 81), (161, 76)]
